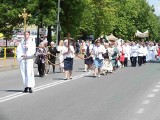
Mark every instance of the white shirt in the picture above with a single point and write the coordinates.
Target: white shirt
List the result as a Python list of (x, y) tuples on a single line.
[(90, 48), (126, 51), (140, 51), (134, 50), (70, 53), (98, 51), (145, 51)]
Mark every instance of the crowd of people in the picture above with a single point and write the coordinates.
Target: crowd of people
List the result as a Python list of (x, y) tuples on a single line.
[(100, 57)]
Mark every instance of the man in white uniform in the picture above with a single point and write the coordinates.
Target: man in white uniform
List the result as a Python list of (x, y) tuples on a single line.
[(25, 53), (134, 53)]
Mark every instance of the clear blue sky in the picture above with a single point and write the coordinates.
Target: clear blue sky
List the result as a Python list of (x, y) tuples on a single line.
[(156, 4)]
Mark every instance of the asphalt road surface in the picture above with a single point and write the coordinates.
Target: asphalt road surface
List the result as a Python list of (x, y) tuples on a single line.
[(128, 94)]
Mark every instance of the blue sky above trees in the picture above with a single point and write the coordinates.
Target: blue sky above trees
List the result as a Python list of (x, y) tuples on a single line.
[(156, 4)]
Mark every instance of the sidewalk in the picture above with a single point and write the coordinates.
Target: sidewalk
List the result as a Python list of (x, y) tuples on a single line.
[(8, 64)]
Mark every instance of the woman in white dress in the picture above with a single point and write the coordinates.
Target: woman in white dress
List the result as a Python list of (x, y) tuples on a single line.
[(151, 51), (60, 56)]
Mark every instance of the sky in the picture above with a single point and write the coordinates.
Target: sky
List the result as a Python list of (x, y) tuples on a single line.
[(156, 4)]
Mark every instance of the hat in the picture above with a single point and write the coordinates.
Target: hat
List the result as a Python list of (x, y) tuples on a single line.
[(97, 40), (65, 40), (52, 42)]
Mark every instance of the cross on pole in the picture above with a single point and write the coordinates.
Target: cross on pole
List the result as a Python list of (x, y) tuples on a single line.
[(25, 16), (68, 41)]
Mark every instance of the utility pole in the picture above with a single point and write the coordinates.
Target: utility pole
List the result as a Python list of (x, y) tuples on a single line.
[(58, 24)]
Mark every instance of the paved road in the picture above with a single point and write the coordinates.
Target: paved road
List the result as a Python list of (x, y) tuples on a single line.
[(129, 94)]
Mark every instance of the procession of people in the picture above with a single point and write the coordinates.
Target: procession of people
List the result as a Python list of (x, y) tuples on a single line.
[(101, 57)]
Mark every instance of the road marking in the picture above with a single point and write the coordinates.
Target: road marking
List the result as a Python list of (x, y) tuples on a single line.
[(145, 102), (140, 111), (155, 90), (12, 96), (151, 95), (157, 86)]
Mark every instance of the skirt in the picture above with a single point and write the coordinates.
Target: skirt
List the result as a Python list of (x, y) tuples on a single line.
[(88, 61), (107, 65), (114, 62), (68, 64), (98, 63)]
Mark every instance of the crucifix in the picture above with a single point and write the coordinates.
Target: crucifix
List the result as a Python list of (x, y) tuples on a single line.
[(68, 41), (25, 16)]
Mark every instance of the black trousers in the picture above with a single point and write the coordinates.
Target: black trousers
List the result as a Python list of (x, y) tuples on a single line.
[(131, 59), (41, 68), (144, 59), (134, 61), (140, 58), (125, 62)]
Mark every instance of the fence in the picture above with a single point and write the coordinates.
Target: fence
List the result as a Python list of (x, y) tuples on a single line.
[(8, 57), (6, 52)]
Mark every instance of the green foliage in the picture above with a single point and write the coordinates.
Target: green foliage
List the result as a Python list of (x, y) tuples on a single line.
[(120, 17)]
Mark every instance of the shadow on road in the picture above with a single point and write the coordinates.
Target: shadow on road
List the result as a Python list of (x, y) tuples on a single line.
[(12, 90), (156, 61)]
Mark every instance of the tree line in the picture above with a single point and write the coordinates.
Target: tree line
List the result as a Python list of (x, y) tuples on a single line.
[(82, 18)]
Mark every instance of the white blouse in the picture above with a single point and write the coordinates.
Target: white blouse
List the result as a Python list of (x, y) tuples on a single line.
[(68, 54), (98, 51)]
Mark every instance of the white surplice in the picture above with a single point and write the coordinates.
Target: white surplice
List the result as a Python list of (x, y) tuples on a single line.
[(28, 73)]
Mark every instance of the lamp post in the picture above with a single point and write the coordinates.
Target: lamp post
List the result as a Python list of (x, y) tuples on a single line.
[(58, 24)]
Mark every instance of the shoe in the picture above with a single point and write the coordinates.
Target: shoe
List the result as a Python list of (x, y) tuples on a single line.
[(70, 78), (25, 90), (65, 79), (94, 76), (30, 90), (98, 76)]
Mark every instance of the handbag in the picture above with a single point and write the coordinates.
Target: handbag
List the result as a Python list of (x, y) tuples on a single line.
[(37, 60)]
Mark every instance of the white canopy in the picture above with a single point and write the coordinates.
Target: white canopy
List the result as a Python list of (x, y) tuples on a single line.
[(112, 38), (142, 35)]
